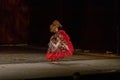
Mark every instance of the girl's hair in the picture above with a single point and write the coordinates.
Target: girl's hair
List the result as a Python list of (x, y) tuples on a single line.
[(57, 23)]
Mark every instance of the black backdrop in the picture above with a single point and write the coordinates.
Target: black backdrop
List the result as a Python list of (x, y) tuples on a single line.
[(91, 24)]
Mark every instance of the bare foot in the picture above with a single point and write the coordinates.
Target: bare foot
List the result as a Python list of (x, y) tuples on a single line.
[(55, 62)]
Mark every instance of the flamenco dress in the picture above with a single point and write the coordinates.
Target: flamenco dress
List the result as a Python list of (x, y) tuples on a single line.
[(59, 47)]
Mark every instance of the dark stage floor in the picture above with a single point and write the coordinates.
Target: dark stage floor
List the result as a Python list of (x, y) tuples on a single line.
[(29, 63), (31, 54)]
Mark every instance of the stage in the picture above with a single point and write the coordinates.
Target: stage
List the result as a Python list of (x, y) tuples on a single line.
[(29, 64)]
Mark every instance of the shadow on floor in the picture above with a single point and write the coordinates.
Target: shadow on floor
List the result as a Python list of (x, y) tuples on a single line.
[(77, 76)]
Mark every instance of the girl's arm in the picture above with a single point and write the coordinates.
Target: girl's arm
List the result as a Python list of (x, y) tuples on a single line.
[(57, 44)]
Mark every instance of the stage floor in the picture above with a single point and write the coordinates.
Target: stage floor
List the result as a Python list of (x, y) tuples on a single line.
[(23, 71), (30, 54), (31, 64), (37, 57)]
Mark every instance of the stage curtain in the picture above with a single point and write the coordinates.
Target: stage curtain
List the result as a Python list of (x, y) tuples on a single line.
[(14, 21)]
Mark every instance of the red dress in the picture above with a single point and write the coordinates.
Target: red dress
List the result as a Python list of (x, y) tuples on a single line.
[(60, 46)]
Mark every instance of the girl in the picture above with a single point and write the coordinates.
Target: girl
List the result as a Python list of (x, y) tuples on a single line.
[(60, 45)]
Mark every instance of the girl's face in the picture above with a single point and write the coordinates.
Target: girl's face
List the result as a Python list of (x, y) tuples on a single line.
[(53, 29), (54, 26)]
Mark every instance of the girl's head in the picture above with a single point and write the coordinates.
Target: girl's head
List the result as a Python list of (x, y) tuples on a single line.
[(55, 25)]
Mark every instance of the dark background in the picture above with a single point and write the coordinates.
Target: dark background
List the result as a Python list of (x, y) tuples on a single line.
[(91, 24)]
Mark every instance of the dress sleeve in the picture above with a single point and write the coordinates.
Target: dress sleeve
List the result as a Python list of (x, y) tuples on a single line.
[(66, 38), (64, 35)]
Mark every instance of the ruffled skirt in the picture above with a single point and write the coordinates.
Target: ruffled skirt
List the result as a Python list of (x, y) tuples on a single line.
[(60, 54)]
